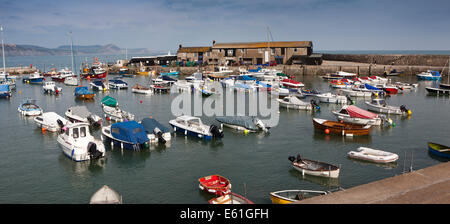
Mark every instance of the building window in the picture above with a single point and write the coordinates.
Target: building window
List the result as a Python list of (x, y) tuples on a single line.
[(184, 54), (282, 50), (259, 50), (243, 51), (273, 51), (230, 53), (295, 49)]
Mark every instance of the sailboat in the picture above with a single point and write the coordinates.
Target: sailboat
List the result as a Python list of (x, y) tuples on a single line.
[(444, 88), (4, 80), (446, 85)]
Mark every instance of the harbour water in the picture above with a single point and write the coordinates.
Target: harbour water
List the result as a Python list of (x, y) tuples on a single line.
[(34, 169)]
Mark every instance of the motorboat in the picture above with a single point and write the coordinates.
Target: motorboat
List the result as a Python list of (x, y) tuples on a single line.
[(355, 115), (160, 88), (34, 78), (393, 72), (127, 135), (373, 155), (105, 195), (51, 88), (215, 184), (71, 81), (292, 102), (98, 85), (345, 129), (78, 144), (113, 112), (339, 75), (355, 93), (5, 91), (62, 75), (379, 105), (439, 150), (195, 78), (289, 196), (332, 98), (289, 83), (29, 108), (314, 168), (141, 89), (193, 126), (310, 92), (82, 114), (83, 93), (341, 84), (406, 86), (429, 75), (117, 84), (184, 86), (438, 91), (50, 121), (231, 198), (243, 123), (156, 132), (123, 71)]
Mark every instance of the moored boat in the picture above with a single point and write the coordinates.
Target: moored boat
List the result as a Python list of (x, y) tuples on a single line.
[(439, 150), (245, 123), (231, 198), (380, 106), (289, 196), (5, 91), (141, 89), (51, 88), (127, 135), (289, 83), (429, 75), (34, 78), (292, 102), (117, 84), (314, 168), (156, 132), (82, 93), (332, 98), (71, 81), (50, 121), (373, 155), (355, 115), (193, 126), (341, 128), (29, 108), (215, 184), (112, 111), (82, 114), (438, 91), (98, 85), (105, 195)]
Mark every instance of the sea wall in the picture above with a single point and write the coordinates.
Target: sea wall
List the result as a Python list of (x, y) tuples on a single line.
[(391, 59)]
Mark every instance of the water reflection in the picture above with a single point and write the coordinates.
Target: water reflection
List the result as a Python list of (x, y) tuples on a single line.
[(319, 135), (382, 165), (323, 181), (438, 158), (82, 169)]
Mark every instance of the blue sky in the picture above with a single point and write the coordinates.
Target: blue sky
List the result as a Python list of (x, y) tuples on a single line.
[(163, 25)]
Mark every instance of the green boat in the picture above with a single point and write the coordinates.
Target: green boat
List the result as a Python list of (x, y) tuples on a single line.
[(109, 101), (439, 150)]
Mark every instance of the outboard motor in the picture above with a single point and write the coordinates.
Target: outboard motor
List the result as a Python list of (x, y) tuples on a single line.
[(93, 152), (60, 124), (261, 125), (404, 109), (291, 158), (90, 119), (215, 131), (349, 100), (159, 135)]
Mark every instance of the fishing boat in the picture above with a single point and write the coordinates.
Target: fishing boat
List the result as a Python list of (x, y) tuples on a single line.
[(314, 168), (193, 126), (51, 88), (292, 102), (289, 83), (289, 196), (62, 75), (341, 128), (141, 89), (50, 121), (160, 88), (243, 123), (29, 108), (83, 93), (82, 114), (78, 144), (113, 112), (215, 184), (71, 81), (117, 84), (429, 75), (98, 85), (332, 98), (373, 155), (380, 106), (231, 198), (438, 91), (439, 150), (355, 115), (156, 132), (5, 91), (105, 195), (127, 135), (34, 78)]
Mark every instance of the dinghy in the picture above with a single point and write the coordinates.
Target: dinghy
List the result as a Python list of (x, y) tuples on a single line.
[(289, 196), (380, 106), (373, 155), (439, 150), (292, 102), (50, 121), (215, 184), (106, 195), (82, 114), (245, 123), (332, 98), (141, 89), (127, 135), (289, 83), (355, 115), (345, 129), (315, 168), (156, 132), (29, 108), (231, 198), (193, 126)]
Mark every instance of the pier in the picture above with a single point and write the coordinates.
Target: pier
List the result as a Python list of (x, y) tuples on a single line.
[(430, 185)]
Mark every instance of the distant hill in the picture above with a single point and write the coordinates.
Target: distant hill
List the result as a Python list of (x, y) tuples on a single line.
[(32, 50)]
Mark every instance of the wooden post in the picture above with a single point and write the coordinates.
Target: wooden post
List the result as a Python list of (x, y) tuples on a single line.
[(358, 71)]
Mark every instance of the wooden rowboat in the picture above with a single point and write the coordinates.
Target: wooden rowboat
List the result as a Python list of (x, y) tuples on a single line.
[(439, 150), (231, 198), (289, 196), (215, 184), (315, 168), (106, 195), (341, 128)]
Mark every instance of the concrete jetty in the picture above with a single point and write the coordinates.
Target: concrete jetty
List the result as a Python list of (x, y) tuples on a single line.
[(430, 185)]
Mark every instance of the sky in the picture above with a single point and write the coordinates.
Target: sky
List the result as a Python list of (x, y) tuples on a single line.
[(164, 24)]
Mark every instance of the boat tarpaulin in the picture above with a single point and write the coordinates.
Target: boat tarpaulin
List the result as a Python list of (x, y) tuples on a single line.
[(130, 131), (245, 78), (263, 84), (109, 101), (371, 87), (150, 124), (357, 112), (243, 121), (83, 90), (4, 88)]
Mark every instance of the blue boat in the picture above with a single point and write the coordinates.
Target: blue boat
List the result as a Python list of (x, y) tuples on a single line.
[(173, 74), (429, 75), (439, 150), (5, 92), (82, 92), (35, 78), (369, 87), (29, 108), (126, 135)]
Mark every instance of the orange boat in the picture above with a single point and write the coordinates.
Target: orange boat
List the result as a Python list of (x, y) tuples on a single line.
[(215, 184), (341, 128)]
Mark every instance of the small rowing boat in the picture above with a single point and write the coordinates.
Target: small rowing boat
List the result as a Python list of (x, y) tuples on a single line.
[(289, 196), (373, 155), (215, 184), (315, 168), (439, 150), (231, 198), (106, 195), (341, 128)]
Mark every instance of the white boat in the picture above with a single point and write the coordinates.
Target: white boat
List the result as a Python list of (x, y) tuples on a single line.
[(29, 108), (141, 89), (231, 198), (380, 106), (71, 81), (340, 75), (243, 123), (406, 86), (156, 132), (184, 86), (356, 93), (332, 98), (116, 114), (314, 168), (373, 155), (106, 195), (429, 75), (51, 88), (99, 85), (63, 74), (355, 115), (49, 121), (82, 114), (195, 78), (78, 144), (190, 125), (117, 84), (292, 102)]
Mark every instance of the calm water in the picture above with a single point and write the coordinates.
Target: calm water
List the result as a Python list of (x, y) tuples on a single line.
[(34, 169)]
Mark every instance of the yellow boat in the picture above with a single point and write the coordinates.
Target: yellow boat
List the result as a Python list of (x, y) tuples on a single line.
[(143, 73), (289, 196)]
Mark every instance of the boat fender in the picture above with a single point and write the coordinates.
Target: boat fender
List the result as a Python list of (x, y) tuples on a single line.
[(159, 134)]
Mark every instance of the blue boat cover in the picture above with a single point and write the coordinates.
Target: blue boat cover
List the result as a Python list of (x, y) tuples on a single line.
[(83, 90), (255, 70), (170, 73), (371, 87), (130, 131), (263, 84), (245, 78), (98, 83), (4, 88), (435, 73), (150, 124), (118, 81), (167, 78)]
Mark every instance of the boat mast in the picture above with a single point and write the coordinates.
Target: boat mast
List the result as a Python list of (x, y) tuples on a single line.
[(71, 50), (3, 51)]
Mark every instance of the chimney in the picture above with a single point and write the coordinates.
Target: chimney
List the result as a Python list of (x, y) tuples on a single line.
[(214, 42)]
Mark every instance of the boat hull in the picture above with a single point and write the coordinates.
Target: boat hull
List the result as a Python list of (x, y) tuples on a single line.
[(438, 91), (187, 132), (385, 110), (108, 139), (345, 129), (439, 150), (331, 172)]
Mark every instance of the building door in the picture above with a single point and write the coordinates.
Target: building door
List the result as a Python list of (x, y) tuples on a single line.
[(258, 61)]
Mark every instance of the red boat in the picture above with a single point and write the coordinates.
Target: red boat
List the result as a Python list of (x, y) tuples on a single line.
[(390, 89), (291, 83), (215, 184)]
